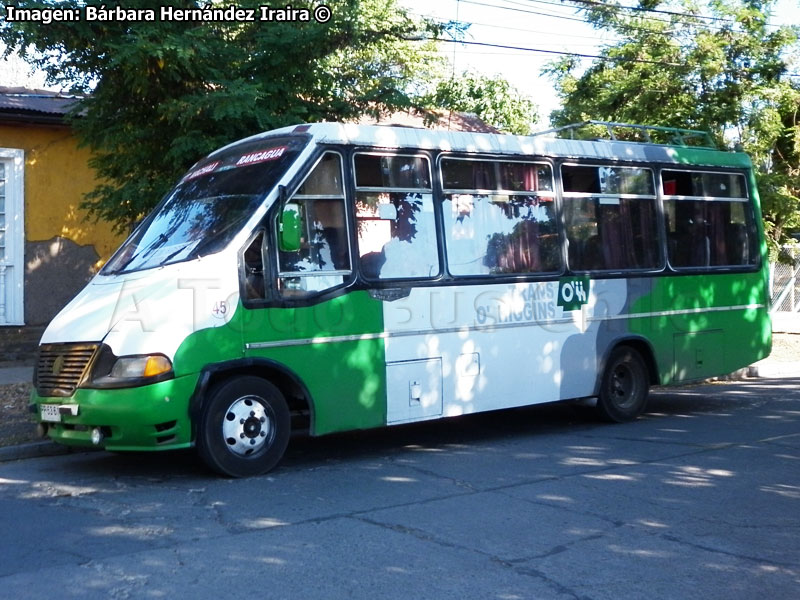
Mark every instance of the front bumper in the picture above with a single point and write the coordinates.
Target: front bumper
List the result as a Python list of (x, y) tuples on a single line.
[(150, 417)]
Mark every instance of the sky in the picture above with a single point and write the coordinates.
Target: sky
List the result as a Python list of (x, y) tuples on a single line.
[(545, 25)]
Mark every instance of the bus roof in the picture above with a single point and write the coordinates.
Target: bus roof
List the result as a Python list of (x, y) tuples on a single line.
[(388, 137)]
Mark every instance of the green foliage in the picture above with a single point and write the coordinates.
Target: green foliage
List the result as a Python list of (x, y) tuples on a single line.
[(163, 94), (726, 76), (773, 139), (493, 99)]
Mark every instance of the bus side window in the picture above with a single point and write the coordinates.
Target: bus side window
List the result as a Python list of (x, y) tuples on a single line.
[(610, 213), (394, 214), (499, 217), (709, 219), (322, 260)]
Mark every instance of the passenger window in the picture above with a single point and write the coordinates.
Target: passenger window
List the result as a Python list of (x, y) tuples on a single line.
[(709, 219), (392, 172), (394, 217), (610, 216), (499, 217), (322, 260)]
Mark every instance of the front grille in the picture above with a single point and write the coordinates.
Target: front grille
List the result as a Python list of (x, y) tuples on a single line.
[(61, 367)]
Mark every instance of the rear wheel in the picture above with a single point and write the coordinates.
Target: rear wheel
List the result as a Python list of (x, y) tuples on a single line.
[(244, 428), (624, 388)]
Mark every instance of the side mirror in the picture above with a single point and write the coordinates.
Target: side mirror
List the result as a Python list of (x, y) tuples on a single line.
[(289, 228)]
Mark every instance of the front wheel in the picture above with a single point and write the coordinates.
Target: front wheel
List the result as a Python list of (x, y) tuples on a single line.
[(244, 428), (624, 388)]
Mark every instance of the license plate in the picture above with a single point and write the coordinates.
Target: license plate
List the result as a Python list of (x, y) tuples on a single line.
[(50, 412)]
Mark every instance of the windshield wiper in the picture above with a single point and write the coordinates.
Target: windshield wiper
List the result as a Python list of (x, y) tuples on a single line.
[(162, 237)]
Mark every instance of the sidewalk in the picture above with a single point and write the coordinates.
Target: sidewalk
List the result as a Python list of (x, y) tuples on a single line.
[(785, 322), (784, 361), (770, 369), (15, 374)]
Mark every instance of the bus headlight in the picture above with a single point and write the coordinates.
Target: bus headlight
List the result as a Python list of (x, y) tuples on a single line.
[(110, 371), (135, 367)]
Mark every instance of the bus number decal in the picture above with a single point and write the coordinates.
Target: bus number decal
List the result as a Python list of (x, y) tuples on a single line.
[(220, 309)]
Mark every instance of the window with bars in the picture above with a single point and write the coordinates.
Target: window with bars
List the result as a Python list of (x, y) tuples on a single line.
[(2, 212), (12, 236)]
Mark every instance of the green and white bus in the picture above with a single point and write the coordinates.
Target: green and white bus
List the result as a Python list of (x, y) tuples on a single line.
[(328, 277)]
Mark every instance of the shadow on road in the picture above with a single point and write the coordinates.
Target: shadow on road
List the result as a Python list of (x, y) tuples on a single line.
[(667, 409)]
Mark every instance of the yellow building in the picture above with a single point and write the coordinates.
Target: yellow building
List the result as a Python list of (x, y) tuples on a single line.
[(49, 248)]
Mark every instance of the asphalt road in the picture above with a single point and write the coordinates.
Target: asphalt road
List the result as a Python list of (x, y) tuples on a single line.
[(698, 499)]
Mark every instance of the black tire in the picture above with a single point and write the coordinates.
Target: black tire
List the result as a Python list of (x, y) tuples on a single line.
[(244, 428), (624, 387)]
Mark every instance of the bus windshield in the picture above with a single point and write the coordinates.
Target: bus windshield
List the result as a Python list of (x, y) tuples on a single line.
[(209, 206)]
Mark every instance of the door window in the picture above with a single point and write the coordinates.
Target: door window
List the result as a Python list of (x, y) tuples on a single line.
[(321, 259)]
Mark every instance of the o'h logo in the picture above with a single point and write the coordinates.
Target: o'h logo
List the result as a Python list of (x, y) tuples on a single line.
[(573, 292)]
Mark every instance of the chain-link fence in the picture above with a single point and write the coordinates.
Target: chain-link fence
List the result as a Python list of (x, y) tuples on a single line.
[(785, 282)]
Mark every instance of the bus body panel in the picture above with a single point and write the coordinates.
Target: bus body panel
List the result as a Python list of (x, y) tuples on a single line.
[(700, 322), (152, 417), (336, 349), (150, 311)]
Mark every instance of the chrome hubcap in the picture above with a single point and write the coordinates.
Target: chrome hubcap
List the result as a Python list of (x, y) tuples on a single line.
[(247, 427)]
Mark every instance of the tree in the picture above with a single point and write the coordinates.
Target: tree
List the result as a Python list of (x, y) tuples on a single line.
[(491, 98), (159, 94), (774, 142), (723, 69)]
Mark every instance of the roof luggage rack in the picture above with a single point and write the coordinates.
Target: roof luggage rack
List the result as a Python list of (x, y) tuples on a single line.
[(648, 134)]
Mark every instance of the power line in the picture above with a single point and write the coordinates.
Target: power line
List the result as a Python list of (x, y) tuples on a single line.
[(527, 11), (661, 11), (625, 26), (639, 9), (523, 49), (507, 28), (617, 8), (576, 54)]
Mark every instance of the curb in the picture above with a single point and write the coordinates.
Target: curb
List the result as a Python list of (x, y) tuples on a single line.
[(32, 450)]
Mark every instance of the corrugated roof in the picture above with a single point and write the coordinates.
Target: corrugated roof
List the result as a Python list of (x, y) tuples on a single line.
[(18, 103)]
